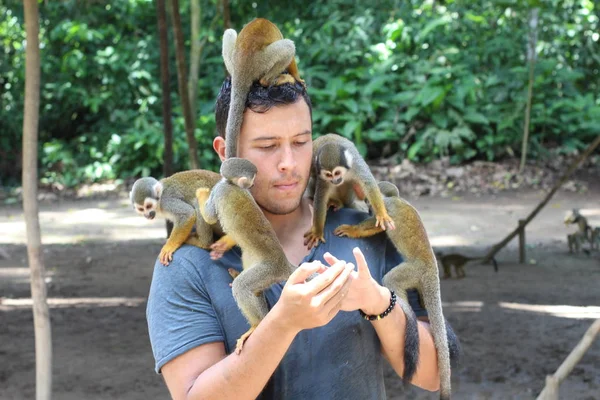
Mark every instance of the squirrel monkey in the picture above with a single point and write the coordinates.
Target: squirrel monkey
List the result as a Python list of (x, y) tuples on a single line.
[(458, 261), (263, 259), (596, 238), (575, 241), (418, 270), (340, 176), (259, 52), (585, 232), (174, 198)]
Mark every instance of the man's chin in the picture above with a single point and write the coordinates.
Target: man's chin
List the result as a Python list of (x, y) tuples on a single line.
[(280, 209)]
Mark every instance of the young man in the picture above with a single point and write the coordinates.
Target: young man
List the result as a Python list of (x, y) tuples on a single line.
[(312, 344)]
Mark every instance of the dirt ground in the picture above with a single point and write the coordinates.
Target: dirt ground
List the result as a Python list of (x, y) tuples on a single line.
[(516, 326)]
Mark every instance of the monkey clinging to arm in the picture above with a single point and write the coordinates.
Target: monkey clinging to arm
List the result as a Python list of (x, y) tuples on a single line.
[(259, 52), (339, 176), (263, 259), (174, 198), (418, 270)]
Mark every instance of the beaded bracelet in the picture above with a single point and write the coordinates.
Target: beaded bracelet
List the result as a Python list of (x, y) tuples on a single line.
[(383, 314)]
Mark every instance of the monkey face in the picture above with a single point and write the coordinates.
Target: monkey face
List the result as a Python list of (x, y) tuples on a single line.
[(148, 209), (336, 177)]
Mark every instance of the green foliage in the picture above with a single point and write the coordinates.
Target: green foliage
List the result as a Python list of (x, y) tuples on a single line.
[(420, 79)]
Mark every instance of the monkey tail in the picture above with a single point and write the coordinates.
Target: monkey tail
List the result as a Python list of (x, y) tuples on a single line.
[(411, 343), (433, 305), (237, 105)]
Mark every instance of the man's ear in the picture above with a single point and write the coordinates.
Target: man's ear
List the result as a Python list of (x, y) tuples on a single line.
[(219, 146)]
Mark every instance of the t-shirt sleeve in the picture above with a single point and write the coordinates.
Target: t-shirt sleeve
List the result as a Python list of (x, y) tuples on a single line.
[(392, 259), (179, 312)]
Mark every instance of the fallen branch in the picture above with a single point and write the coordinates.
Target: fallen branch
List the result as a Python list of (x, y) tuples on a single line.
[(550, 391)]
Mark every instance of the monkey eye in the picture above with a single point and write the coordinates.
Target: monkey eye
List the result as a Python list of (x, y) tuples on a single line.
[(147, 206), (328, 174)]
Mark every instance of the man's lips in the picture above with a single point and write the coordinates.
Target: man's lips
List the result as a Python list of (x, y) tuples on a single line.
[(286, 185)]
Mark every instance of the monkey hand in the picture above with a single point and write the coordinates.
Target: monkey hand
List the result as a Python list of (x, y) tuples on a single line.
[(166, 253), (280, 80), (350, 231), (312, 238), (385, 221), (240, 342), (202, 195), (219, 247), (335, 203)]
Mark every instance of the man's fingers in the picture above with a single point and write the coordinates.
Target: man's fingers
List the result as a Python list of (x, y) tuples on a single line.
[(334, 303), (323, 280), (304, 271), (335, 286), (330, 258), (361, 262)]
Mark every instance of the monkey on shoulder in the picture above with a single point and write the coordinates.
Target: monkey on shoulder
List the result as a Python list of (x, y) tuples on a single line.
[(174, 198)]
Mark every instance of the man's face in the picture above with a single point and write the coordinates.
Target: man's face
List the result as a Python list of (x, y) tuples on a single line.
[(279, 143)]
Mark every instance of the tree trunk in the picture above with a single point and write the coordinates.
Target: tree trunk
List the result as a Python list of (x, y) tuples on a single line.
[(161, 15), (226, 15), (181, 79), (41, 315), (195, 52), (531, 57)]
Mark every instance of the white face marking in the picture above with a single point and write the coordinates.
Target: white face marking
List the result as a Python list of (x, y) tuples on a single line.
[(149, 205), (336, 177)]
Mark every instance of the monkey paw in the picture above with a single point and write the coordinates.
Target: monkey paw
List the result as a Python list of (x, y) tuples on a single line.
[(166, 254), (202, 195), (233, 272), (312, 238), (280, 80), (242, 340), (336, 204), (385, 221), (221, 246), (346, 231)]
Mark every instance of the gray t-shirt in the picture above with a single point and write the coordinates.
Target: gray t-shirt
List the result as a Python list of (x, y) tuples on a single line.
[(190, 304)]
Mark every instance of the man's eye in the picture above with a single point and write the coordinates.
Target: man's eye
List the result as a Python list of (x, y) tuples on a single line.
[(301, 143), (271, 146)]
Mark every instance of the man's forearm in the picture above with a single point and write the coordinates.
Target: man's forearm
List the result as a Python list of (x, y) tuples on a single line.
[(244, 376), (391, 331)]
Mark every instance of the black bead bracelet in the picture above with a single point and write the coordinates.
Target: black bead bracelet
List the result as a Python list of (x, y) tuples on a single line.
[(383, 314)]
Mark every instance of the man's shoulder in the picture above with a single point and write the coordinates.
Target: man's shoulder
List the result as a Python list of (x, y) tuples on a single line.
[(192, 266), (345, 215)]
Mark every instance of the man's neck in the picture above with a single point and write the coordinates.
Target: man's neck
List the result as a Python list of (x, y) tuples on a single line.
[(290, 229)]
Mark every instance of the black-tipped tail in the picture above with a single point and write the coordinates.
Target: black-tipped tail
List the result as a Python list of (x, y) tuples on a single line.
[(411, 343)]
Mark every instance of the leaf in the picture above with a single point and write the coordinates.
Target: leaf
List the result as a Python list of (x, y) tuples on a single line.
[(432, 26), (411, 113), (440, 120), (429, 94), (414, 149), (475, 117)]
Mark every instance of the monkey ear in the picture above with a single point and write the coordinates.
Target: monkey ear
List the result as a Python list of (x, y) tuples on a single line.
[(349, 158), (157, 189)]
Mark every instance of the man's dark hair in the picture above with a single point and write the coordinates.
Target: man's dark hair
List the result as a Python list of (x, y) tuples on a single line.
[(260, 99)]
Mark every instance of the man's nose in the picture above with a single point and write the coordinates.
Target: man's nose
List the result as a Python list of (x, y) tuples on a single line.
[(287, 161)]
